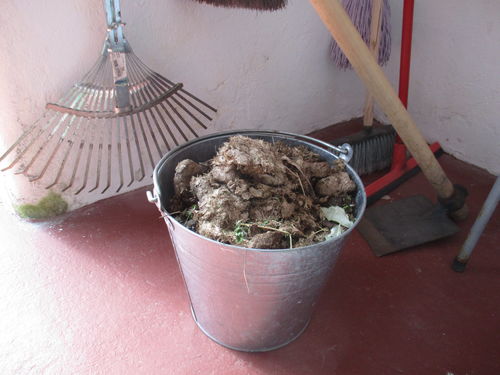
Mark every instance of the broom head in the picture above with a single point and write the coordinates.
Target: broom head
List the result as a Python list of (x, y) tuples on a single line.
[(248, 4)]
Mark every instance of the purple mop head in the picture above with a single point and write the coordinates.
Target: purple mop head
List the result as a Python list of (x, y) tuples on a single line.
[(360, 12)]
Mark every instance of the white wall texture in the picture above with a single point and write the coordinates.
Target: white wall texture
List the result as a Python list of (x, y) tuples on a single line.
[(261, 70), (454, 94)]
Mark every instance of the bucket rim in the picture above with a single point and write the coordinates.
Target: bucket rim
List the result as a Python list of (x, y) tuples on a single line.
[(167, 215)]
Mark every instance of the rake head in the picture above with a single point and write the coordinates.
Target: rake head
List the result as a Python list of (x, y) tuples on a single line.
[(248, 4), (110, 128)]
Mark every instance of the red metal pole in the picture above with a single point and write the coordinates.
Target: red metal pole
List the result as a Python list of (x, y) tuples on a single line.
[(406, 37), (401, 168), (399, 153)]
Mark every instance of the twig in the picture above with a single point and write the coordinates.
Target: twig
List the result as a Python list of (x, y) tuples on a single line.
[(298, 178), (321, 230), (245, 271), (305, 178), (303, 175)]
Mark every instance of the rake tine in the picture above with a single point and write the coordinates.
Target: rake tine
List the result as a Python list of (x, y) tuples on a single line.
[(77, 161), (170, 117), (169, 83), (98, 168), (99, 157), (86, 175), (40, 149), (151, 132), (189, 113), (157, 124), (198, 100), (82, 87), (76, 101), (141, 127), (165, 124), (166, 82), (108, 183), (100, 98), (162, 106), (139, 153), (26, 148), (19, 140), (191, 104), (151, 92), (148, 71), (65, 158), (160, 81), (172, 136), (98, 104), (119, 153), (142, 94), (94, 71), (48, 124), (129, 152), (97, 97), (181, 118), (108, 100), (143, 133), (84, 99), (54, 151), (165, 110)]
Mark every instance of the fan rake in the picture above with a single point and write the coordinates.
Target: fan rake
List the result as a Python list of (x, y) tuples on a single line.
[(118, 121)]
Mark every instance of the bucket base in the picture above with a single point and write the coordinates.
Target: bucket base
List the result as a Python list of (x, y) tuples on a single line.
[(248, 350)]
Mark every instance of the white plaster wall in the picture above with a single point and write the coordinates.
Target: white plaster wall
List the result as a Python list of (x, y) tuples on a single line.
[(454, 94), (261, 70)]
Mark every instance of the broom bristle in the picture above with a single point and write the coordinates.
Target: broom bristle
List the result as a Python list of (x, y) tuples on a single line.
[(360, 12), (248, 4), (372, 148)]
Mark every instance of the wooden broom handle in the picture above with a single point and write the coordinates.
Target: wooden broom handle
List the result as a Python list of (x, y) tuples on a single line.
[(339, 24), (375, 25)]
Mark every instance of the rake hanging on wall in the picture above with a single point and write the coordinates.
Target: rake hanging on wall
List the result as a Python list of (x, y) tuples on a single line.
[(119, 113)]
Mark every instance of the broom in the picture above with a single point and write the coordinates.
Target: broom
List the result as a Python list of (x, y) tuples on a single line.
[(248, 4), (372, 146)]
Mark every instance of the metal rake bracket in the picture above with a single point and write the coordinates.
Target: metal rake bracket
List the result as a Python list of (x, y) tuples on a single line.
[(99, 133)]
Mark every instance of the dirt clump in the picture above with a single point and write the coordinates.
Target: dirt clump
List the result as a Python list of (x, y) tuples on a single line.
[(257, 194)]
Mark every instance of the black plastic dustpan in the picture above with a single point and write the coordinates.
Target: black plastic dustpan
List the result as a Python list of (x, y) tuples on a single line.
[(405, 223)]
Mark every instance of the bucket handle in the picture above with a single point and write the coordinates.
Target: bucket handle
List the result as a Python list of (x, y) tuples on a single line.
[(344, 151), (154, 199)]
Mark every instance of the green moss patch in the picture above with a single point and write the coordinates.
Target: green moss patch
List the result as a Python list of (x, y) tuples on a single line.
[(49, 206)]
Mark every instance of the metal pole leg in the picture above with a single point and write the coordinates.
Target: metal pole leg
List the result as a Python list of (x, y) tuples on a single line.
[(477, 229)]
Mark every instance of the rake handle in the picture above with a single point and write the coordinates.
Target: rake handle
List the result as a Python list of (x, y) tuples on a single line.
[(347, 37), (375, 24)]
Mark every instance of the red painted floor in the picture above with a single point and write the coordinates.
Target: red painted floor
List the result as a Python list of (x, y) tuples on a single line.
[(99, 292)]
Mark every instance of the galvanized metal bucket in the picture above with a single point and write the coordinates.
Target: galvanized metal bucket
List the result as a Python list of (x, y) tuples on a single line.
[(249, 299)]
